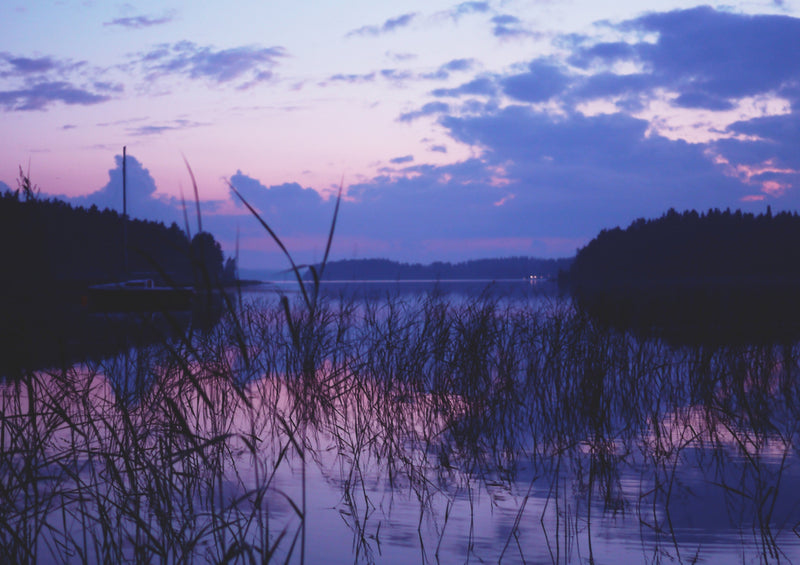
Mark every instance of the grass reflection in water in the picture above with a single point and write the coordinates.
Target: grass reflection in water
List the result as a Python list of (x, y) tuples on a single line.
[(405, 429)]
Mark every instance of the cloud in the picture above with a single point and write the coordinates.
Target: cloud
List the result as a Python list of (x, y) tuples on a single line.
[(481, 86), (151, 129), (37, 83), (587, 168), (352, 78), (465, 8), (41, 95), (701, 61), (459, 65), (507, 26), (402, 160), (428, 109), (25, 65), (142, 198), (396, 75), (139, 22), (188, 59), (708, 55), (456, 65), (288, 208), (400, 76), (539, 83), (388, 26)]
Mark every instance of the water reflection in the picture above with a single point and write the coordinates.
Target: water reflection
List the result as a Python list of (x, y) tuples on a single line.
[(406, 429)]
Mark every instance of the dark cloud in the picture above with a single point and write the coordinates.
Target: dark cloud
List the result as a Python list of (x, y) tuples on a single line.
[(400, 21), (139, 22), (481, 86), (720, 53), (606, 84), (38, 69), (773, 139), (152, 129), (508, 26), (505, 19), (403, 75), (459, 65), (396, 75), (709, 57), (605, 53), (456, 65), (37, 83), (221, 66), (402, 160), (39, 96), (104, 86), (352, 78), (288, 208), (438, 148), (541, 82), (465, 8), (570, 175), (428, 109), (595, 170), (388, 26), (26, 65)]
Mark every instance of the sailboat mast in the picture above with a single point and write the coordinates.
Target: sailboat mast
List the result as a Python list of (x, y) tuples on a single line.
[(124, 215)]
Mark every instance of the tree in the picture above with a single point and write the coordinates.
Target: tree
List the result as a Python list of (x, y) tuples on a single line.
[(207, 259)]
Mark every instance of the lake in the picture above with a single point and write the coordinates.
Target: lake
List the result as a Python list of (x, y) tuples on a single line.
[(405, 424)]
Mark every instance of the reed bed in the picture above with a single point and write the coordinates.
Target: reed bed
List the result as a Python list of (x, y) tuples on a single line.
[(199, 449)]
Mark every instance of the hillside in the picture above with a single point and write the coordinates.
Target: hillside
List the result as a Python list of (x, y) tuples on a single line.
[(50, 241), (697, 277), (384, 269), (691, 248)]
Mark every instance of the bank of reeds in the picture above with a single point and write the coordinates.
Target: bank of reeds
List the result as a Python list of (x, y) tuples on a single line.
[(197, 449), (193, 450)]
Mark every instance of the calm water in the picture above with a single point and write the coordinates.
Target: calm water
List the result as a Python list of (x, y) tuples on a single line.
[(407, 427)]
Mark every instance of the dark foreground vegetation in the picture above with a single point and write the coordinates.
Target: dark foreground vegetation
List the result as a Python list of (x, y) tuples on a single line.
[(694, 275), (429, 420), (302, 429), (48, 242), (53, 251)]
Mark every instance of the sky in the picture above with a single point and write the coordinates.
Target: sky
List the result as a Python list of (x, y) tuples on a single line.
[(456, 130)]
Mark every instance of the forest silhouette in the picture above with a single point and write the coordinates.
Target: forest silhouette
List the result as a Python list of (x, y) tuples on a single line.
[(50, 241), (721, 274), (53, 252), (491, 269)]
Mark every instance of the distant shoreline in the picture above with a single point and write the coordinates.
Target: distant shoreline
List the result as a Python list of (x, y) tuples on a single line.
[(421, 281)]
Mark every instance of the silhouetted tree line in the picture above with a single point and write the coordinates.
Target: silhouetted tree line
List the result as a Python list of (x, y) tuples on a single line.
[(49, 242), (714, 277), (716, 247), (384, 269)]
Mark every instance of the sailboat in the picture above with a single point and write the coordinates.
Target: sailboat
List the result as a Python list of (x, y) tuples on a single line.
[(136, 295)]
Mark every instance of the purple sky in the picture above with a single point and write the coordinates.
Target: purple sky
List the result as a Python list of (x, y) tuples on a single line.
[(460, 130)]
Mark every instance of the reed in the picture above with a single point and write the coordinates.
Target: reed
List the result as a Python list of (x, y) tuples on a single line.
[(198, 448)]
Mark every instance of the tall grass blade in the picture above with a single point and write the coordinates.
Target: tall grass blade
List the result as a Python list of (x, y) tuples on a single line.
[(196, 196)]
